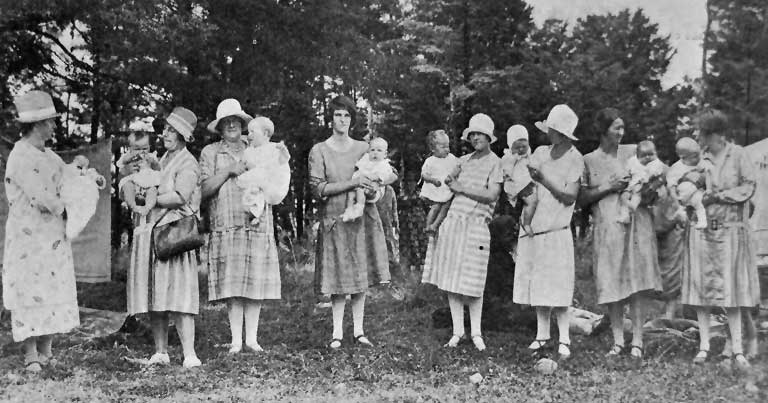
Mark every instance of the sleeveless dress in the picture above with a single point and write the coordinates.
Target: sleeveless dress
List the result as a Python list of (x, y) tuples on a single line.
[(457, 256)]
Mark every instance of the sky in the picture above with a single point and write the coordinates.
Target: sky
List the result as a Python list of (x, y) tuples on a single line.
[(683, 20)]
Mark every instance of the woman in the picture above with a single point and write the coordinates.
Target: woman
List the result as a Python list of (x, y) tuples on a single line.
[(457, 257), (545, 266), (38, 272), (625, 259), (722, 271), (243, 268), (350, 256), (169, 287)]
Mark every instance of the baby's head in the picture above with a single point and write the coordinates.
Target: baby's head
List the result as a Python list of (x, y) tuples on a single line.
[(260, 130), (688, 151), (517, 140), (646, 152), (139, 142), (377, 149), (439, 143), (81, 162)]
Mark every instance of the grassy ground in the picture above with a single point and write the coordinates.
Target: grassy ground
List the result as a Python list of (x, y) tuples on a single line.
[(408, 363)]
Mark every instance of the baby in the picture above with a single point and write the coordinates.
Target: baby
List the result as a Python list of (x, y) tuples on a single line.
[(517, 179), (268, 176), (644, 167), (689, 178), (375, 166), (141, 185), (79, 192), (436, 168)]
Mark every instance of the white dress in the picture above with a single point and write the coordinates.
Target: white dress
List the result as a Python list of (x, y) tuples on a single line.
[(438, 168)]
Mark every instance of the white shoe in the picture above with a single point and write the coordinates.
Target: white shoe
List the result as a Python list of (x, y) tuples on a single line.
[(192, 362), (477, 340), (159, 358), (235, 348), (254, 347)]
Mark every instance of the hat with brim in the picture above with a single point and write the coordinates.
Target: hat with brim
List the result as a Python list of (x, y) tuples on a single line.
[(184, 121), (479, 123), (562, 119), (516, 132), (35, 106), (229, 107)]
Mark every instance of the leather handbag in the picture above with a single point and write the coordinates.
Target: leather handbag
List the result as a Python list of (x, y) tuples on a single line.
[(176, 237)]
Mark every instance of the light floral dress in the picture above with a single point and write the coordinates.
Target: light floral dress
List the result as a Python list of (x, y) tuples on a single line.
[(38, 271)]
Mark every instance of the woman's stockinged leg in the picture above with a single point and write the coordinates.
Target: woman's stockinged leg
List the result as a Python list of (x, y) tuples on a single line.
[(338, 301), (616, 314), (252, 313), (737, 345), (31, 358), (159, 323), (702, 315), (456, 305), (358, 313), (637, 308), (563, 316), (542, 323), (236, 324), (475, 322), (44, 346), (185, 326)]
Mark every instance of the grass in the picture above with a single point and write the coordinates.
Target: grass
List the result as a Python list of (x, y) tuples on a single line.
[(408, 363)]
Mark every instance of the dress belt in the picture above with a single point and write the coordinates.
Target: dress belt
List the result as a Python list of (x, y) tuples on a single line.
[(544, 232)]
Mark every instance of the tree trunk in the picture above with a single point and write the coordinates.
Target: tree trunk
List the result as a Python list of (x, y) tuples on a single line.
[(705, 47)]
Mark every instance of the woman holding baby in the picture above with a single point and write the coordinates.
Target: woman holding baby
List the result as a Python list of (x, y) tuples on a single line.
[(457, 256), (38, 271), (721, 271), (351, 254), (545, 265), (625, 263), (243, 267), (169, 287)]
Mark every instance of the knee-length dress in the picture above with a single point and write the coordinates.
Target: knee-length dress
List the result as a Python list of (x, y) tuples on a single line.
[(242, 257), (625, 256), (721, 268), (672, 238), (171, 285), (38, 272), (545, 265), (457, 256), (349, 256)]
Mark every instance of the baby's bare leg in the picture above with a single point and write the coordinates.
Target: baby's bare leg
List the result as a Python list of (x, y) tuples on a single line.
[(129, 191), (151, 198), (434, 210)]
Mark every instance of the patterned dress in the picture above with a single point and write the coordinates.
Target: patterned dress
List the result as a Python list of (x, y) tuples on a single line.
[(242, 257), (721, 269), (349, 256), (171, 285), (457, 257), (625, 256), (545, 266), (38, 272)]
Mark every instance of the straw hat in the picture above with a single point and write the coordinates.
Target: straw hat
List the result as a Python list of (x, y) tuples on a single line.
[(35, 106), (226, 108), (516, 132), (561, 118), (479, 123), (184, 121)]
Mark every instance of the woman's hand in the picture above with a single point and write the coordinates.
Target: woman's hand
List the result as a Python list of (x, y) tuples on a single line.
[(365, 183), (617, 183), (237, 168), (535, 173), (709, 198)]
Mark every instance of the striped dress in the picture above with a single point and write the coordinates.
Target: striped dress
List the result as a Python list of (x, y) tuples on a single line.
[(242, 257), (171, 285), (457, 257)]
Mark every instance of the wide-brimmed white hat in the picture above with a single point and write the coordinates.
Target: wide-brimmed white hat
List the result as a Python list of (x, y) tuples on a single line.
[(35, 106), (226, 108), (516, 132), (184, 121), (561, 118), (479, 123)]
